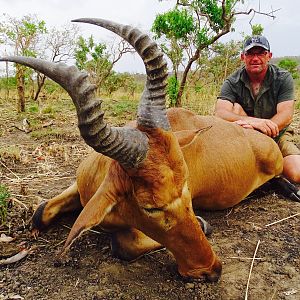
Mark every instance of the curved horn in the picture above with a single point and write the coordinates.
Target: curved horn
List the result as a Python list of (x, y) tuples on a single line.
[(126, 145), (152, 110)]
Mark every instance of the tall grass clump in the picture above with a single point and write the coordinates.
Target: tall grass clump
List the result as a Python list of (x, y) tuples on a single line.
[(4, 195)]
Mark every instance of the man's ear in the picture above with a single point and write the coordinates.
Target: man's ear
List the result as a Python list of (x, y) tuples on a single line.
[(242, 56), (270, 55)]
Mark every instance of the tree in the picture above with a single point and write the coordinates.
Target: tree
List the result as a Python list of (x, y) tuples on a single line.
[(220, 60), (192, 26), (290, 65), (59, 47), (23, 36), (129, 83), (112, 82), (257, 29), (97, 61)]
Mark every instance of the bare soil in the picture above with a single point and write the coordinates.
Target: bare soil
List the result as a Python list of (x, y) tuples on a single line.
[(46, 165)]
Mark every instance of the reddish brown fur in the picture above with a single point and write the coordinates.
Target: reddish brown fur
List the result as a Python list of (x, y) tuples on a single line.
[(221, 164)]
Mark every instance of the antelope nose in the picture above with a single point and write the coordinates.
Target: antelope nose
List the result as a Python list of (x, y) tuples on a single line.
[(215, 274)]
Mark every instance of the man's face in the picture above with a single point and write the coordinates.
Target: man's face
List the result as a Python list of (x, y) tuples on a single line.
[(256, 60)]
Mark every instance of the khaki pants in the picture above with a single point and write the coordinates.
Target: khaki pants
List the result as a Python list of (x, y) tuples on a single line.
[(287, 145)]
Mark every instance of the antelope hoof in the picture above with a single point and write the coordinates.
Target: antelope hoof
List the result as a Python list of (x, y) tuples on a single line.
[(37, 223)]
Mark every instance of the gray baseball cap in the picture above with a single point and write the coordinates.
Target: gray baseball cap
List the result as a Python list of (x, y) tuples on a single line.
[(256, 41)]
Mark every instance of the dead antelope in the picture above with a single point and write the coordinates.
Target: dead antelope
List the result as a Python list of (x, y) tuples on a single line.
[(140, 182)]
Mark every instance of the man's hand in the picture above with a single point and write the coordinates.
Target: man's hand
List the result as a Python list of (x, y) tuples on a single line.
[(235, 113), (265, 126), (244, 124)]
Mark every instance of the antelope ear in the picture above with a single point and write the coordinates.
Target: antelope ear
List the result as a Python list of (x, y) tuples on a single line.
[(187, 137), (92, 214)]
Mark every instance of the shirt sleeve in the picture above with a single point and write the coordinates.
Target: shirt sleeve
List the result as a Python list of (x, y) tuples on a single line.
[(286, 90), (227, 92)]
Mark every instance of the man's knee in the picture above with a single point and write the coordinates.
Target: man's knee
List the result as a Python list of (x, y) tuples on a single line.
[(291, 168)]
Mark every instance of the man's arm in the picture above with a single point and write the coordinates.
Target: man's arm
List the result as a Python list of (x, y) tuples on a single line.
[(284, 115), (228, 111), (235, 113)]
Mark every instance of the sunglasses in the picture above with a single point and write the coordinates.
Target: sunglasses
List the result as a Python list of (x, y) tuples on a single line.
[(257, 53)]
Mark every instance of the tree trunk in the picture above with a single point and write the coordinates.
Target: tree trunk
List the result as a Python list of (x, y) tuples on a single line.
[(40, 83), (7, 82), (31, 82), (184, 77), (21, 88)]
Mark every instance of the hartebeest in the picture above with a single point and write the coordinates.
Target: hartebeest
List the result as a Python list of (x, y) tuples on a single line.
[(141, 181)]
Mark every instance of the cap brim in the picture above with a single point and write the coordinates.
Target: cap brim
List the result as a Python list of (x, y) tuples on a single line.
[(256, 45)]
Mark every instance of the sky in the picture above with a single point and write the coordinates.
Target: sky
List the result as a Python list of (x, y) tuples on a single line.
[(282, 32)]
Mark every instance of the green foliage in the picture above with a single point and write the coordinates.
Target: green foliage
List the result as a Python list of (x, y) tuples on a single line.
[(88, 54), (4, 195), (190, 27), (9, 82), (214, 11), (51, 86), (257, 29), (122, 108), (112, 83), (22, 34), (95, 60), (174, 24), (10, 153), (290, 65), (172, 90), (128, 82), (219, 61), (33, 108), (202, 38)]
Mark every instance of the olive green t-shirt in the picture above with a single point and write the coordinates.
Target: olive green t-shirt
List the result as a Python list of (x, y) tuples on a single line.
[(278, 86)]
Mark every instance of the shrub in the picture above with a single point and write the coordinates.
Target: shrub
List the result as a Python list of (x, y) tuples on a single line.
[(4, 195)]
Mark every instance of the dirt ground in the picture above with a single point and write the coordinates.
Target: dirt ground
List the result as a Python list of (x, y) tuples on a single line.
[(46, 165)]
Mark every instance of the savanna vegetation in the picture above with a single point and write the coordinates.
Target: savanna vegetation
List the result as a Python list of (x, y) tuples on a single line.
[(40, 149), (188, 35)]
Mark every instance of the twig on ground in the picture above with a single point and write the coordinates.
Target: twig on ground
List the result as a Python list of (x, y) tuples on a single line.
[(20, 203), (274, 294), (9, 170), (77, 281), (22, 129), (61, 242), (44, 240), (292, 216), (24, 196), (253, 259), (229, 212), (245, 258)]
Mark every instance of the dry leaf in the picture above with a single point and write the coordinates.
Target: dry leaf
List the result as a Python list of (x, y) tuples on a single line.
[(5, 238)]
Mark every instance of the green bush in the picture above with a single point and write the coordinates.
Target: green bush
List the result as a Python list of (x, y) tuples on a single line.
[(172, 90), (33, 108), (9, 82), (4, 195), (51, 87)]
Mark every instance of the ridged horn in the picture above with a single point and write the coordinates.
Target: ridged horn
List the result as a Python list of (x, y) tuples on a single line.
[(126, 145), (152, 109)]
